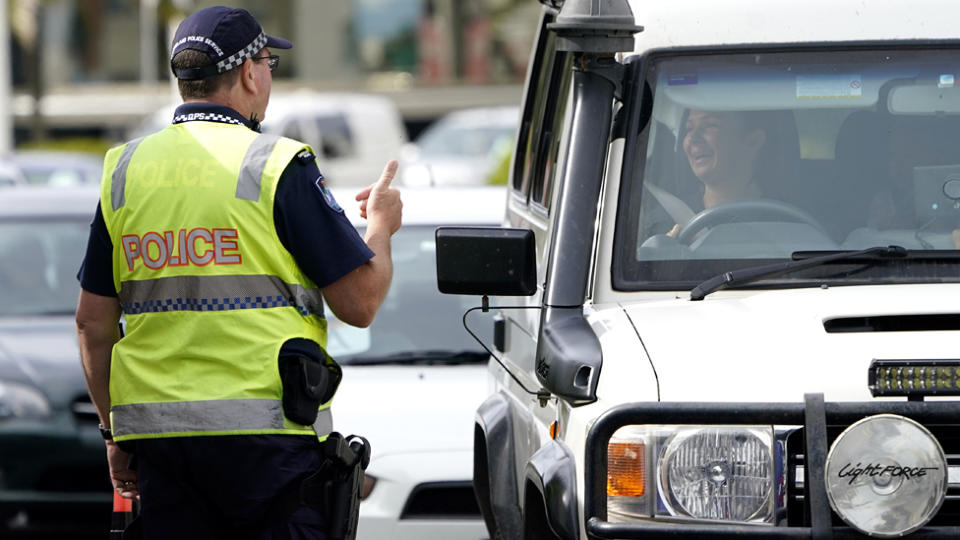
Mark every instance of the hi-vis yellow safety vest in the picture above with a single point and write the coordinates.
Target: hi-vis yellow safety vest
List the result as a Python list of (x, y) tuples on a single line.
[(209, 294)]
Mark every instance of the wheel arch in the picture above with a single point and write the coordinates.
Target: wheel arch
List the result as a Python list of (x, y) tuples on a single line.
[(552, 473), (494, 472)]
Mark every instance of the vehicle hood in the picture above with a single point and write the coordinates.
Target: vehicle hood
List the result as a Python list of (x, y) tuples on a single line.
[(773, 346), (43, 352), (403, 409)]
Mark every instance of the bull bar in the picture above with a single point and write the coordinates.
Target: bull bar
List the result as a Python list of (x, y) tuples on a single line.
[(813, 414)]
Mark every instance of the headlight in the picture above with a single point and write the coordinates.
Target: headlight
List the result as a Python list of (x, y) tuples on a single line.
[(723, 473), (21, 401), (368, 483), (720, 473)]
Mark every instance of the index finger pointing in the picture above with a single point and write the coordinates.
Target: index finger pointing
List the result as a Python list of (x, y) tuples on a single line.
[(389, 171)]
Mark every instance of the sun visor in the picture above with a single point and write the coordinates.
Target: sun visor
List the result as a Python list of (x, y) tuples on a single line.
[(718, 90)]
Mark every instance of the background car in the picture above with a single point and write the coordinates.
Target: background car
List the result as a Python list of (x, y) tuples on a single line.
[(10, 175), (462, 148), (50, 167), (57, 167), (353, 134), (53, 471), (412, 381)]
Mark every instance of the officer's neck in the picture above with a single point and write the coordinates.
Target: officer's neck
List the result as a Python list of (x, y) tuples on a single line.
[(242, 102)]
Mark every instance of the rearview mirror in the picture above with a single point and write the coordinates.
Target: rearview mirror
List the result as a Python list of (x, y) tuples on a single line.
[(491, 261)]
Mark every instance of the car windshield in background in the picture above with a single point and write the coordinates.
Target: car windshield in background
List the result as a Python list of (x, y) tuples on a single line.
[(39, 259), (59, 169), (416, 323), (328, 134), (752, 158), (464, 141)]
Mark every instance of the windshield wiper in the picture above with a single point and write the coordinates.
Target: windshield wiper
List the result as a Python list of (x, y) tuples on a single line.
[(801, 260), (419, 357)]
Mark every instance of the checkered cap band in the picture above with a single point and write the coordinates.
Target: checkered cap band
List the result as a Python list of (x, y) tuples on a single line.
[(237, 58)]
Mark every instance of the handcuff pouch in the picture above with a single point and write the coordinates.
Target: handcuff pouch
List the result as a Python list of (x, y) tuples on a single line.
[(309, 380)]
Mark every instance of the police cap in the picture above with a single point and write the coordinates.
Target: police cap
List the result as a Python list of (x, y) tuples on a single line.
[(227, 35)]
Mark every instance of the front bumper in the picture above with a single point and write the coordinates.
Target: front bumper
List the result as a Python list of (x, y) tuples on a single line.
[(820, 423), (53, 479), (421, 494)]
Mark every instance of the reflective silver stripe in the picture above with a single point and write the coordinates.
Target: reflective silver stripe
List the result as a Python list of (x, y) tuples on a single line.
[(324, 422), (217, 293), (251, 170), (119, 179), (206, 416)]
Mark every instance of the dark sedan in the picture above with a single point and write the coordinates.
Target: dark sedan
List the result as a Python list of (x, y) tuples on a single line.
[(53, 475)]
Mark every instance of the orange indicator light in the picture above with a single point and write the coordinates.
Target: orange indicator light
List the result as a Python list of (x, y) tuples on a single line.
[(626, 469)]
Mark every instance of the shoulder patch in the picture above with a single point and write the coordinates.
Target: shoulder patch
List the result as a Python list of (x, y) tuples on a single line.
[(327, 195), (306, 157)]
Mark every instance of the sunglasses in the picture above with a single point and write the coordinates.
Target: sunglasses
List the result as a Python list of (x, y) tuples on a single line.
[(272, 60)]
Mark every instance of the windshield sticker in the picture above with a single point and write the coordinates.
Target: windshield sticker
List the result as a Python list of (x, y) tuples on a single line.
[(946, 81), (829, 86), (681, 80)]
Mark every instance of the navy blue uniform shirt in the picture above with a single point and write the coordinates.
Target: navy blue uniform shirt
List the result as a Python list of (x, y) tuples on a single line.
[(310, 224)]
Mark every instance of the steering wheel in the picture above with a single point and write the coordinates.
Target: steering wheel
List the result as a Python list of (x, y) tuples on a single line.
[(745, 211)]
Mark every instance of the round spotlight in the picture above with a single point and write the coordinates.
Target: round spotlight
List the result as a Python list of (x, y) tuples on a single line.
[(886, 475)]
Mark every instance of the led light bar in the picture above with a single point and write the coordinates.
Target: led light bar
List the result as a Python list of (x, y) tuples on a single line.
[(914, 378)]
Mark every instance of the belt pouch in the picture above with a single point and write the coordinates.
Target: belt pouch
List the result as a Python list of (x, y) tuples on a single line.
[(306, 382)]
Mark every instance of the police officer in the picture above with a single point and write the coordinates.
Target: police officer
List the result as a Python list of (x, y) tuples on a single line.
[(215, 243)]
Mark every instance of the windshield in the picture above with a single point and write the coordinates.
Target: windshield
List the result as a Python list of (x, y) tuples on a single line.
[(466, 140), (415, 318), (39, 260), (56, 174), (749, 158)]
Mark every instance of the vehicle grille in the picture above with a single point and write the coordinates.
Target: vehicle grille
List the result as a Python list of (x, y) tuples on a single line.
[(442, 500), (798, 513)]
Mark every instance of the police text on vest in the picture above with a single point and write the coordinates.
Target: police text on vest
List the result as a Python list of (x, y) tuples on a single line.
[(197, 247)]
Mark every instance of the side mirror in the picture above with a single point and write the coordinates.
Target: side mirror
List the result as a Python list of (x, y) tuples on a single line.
[(492, 261)]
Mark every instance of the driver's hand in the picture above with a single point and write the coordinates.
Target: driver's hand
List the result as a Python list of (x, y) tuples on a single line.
[(672, 233)]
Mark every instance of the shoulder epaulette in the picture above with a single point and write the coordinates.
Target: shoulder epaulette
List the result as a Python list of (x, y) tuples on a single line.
[(306, 156)]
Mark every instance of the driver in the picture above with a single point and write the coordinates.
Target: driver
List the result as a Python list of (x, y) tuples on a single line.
[(724, 149)]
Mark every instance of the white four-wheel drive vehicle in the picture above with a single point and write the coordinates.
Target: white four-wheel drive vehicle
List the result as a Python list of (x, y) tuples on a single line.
[(727, 296)]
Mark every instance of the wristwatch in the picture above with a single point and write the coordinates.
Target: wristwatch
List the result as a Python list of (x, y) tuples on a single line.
[(106, 433)]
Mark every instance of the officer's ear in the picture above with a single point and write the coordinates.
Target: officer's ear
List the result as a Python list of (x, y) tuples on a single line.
[(248, 76)]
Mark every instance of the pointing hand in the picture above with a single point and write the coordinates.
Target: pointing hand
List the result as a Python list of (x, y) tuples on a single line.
[(380, 203)]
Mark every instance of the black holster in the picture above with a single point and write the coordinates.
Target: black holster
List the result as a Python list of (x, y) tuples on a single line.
[(335, 488)]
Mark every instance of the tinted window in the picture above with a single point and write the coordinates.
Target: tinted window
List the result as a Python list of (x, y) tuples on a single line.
[(542, 120), (39, 260), (335, 136), (328, 134)]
